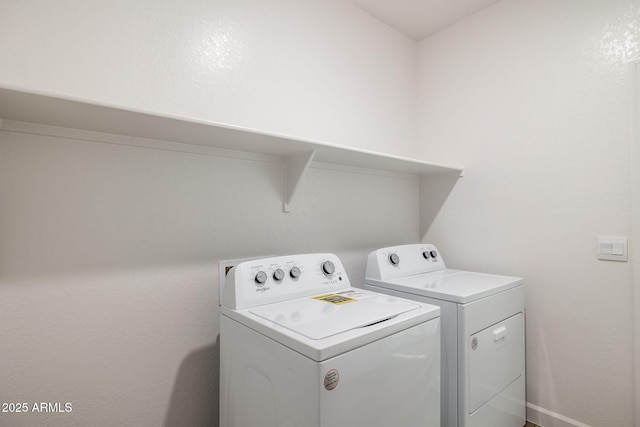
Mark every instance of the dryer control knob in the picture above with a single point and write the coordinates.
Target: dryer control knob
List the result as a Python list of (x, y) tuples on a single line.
[(261, 278), (394, 259), (434, 254), (328, 268), (425, 254), (278, 274), (294, 272)]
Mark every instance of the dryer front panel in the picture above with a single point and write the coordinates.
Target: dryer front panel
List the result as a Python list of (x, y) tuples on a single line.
[(496, 359)]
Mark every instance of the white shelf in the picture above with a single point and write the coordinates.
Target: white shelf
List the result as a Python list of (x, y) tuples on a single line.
[(53, 110)]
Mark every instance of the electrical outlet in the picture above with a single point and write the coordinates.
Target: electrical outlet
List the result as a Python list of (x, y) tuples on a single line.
[(223, 271)]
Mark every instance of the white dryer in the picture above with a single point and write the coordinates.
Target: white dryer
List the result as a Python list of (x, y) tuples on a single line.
[(482, 321), (299, 347)]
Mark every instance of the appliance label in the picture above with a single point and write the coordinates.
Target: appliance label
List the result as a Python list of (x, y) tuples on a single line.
[(334, 299), (331, 379), (474, 343)]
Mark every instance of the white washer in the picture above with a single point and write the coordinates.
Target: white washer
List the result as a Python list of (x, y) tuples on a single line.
[(299, 347), (483, 365)]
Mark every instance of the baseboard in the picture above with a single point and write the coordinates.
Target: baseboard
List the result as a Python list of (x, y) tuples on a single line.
[(545, 418)]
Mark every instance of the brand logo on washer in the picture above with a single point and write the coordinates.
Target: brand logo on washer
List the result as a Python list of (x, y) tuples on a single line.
[(474, 343), (331, 379)]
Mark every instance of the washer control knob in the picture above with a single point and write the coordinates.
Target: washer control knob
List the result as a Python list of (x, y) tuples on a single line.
[(328, 268), (425, 254), (394, 259), (278, 274), (261, 278), (434, 254), (294, 272)]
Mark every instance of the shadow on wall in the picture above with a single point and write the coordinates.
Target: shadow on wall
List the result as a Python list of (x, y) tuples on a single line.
[(434, 191), (194, 400)]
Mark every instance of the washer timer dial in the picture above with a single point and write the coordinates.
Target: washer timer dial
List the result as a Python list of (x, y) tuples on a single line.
[(328, 268)]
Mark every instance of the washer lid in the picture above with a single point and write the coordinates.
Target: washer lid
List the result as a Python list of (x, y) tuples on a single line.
[(451, 285), (322, 316), (324, 326)]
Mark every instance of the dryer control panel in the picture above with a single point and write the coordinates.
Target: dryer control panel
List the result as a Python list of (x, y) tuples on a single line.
[(405, 260), (269, 280)]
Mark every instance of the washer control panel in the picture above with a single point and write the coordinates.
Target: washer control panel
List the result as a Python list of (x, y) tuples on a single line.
[(405, 260), (270, 280)]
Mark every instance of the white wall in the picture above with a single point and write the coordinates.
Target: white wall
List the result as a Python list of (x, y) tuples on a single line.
[(532, 97), (108, 254), (108, 292), (635, 211), (323, 70)]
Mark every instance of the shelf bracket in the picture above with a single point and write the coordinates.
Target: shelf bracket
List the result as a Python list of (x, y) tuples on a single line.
[(295, 166)]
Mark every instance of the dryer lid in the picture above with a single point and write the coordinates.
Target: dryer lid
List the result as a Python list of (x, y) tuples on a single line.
[(322, 316)]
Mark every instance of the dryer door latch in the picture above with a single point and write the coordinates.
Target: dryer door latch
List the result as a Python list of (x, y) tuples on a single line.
[(500, 333)]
